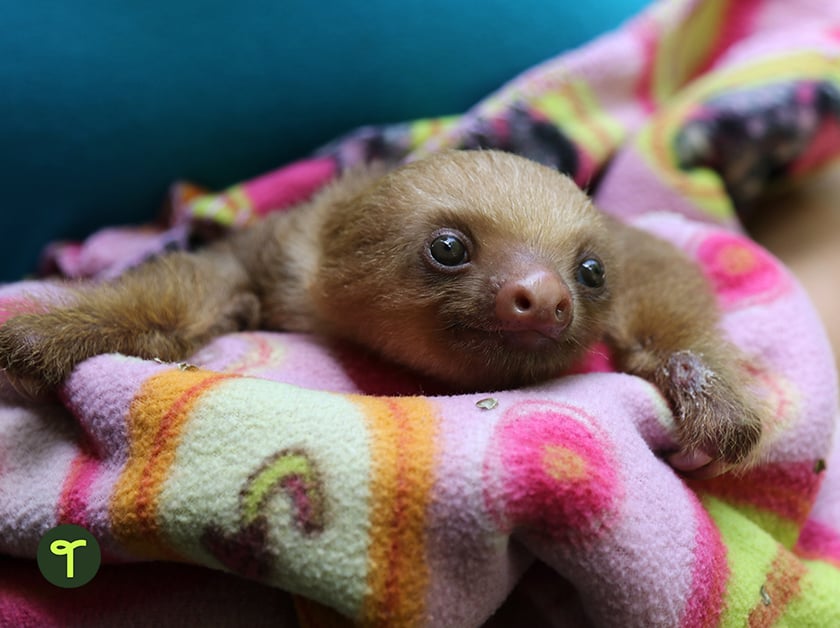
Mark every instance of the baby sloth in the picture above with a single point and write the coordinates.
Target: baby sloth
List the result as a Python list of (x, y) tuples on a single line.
[(480, 268)]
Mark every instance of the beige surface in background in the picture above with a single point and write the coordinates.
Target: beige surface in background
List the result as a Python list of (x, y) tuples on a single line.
[(802, 227)]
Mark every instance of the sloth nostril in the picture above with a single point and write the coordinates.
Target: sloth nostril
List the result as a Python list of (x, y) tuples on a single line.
[(522, 303)]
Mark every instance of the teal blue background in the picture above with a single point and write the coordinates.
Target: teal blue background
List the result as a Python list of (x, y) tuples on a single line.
[(103, 103)]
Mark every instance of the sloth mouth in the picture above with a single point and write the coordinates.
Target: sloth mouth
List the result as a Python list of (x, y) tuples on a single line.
[(490, 358), (528, 339), (521, 340)]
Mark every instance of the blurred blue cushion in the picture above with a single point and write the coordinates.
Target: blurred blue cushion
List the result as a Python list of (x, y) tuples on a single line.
[(105, 103)]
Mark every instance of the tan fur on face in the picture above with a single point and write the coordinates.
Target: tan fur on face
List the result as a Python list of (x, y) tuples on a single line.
[(513, 211)]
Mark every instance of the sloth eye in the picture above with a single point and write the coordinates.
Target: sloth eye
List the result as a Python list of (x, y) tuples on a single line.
[(591, 273), (449, 250)]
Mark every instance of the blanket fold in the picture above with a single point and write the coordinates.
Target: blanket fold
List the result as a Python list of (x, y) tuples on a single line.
[(336, 489)]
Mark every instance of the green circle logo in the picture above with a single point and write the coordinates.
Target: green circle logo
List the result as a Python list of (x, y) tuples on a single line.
[(69, 556)]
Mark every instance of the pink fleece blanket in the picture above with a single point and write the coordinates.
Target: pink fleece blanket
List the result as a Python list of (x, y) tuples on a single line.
[(288, 481)]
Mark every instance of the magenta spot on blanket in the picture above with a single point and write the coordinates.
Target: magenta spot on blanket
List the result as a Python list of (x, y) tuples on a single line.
[(709, 573), (817, 541), (598, 359), (290, 185), (736, 24), (742, 273), (823, 148), (556, 473), (373, 376)]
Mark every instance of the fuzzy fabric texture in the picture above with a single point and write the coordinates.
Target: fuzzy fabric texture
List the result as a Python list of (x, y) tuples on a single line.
[(336, 489)]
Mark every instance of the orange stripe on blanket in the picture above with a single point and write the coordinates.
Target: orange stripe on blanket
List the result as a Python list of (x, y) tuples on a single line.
[(403, 450), (780, 588), (156, 420)]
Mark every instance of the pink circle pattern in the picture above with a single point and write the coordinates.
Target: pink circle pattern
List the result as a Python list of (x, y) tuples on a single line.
[(556, 472), (742, 273)]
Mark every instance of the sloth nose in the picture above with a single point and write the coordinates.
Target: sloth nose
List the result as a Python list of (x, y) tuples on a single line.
[(538, 300)]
